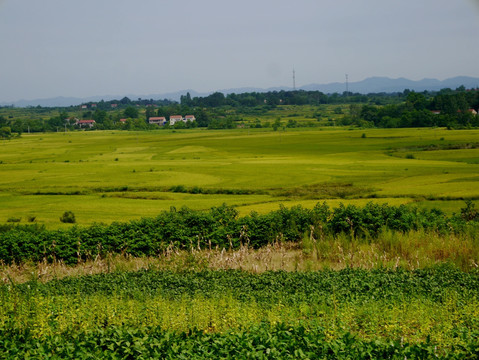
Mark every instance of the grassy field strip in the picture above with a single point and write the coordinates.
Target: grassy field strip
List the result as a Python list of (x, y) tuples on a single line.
[(114, 206)]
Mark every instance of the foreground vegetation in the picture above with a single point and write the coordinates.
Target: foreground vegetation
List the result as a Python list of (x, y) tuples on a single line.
[(221, 228), (394, 282), (370, 282), (261, 342), (350, 313)]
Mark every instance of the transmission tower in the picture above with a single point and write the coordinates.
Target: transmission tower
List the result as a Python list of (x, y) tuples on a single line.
[(347, 85)]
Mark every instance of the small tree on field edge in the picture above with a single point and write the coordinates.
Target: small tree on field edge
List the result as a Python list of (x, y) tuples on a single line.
[(68, 217)]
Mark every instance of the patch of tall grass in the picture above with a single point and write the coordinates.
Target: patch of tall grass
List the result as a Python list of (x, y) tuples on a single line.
[(416, 249)]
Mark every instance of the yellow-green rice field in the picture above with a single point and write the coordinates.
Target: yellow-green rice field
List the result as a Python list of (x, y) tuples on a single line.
[(105, 176)]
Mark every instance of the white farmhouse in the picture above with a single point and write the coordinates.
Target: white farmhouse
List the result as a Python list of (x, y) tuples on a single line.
[(176, 118), (158, 120)]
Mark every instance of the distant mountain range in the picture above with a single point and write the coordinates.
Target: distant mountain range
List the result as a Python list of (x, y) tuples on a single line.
[(369, 85)]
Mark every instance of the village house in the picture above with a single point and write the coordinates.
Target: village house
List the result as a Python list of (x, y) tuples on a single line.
[(159, 120), (190, 118), (123, 121), (85, 123), (472, 111), (176, 118)]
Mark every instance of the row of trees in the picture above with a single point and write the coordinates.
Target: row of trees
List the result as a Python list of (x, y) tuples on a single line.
[(274, 98), (126, 102), (451, 109), (446, 99), (221, 227), (217, 111)]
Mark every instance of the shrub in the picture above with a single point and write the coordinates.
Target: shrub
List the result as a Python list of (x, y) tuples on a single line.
[(469, 213), (219, 227), (68, 217)]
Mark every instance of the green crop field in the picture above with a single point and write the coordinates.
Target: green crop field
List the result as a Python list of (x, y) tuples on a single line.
[(106, 176), (350, 279), (348, 314)]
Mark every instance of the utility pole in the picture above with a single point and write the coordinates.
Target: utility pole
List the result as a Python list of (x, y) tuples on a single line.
[(294, 80)]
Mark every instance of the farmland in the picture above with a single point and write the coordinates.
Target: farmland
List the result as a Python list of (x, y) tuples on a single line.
[(247, 243), (116, 176), (215, 314)]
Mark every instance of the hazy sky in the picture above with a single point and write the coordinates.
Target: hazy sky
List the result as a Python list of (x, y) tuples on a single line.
[(98, 47)]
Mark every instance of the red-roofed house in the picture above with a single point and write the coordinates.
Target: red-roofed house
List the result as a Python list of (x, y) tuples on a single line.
[(159, 120), (123, 120), (472, 111), (85, 123), (190, 118)]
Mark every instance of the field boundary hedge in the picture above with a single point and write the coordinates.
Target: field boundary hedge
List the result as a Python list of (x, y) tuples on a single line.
[(219, 227)]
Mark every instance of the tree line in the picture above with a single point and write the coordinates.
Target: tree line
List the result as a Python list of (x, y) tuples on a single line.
[(446, 108), (291, 97), (453, 109), (222, 227)]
